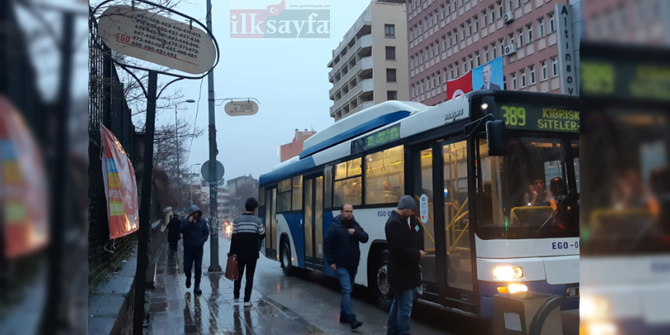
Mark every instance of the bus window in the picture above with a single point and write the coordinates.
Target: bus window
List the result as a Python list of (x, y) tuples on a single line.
[(297, 193), (261, 197), (384, 176), (348, 186), (284, 196), (328, 174)]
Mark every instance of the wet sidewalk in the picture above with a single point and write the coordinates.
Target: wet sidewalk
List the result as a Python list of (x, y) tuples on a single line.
[(174, 309)]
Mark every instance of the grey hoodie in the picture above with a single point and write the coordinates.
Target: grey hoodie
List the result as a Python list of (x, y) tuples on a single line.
[(195, 233)]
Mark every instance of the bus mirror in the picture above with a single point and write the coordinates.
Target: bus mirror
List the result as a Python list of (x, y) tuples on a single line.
[(496, 136)]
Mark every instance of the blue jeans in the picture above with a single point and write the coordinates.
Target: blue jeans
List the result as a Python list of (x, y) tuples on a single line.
[(346, 277), (401, 312)]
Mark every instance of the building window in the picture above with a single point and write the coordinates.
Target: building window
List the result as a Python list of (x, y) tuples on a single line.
[(421, 57), (500, 9), (389, 30), (390, 53), (462, 32), (532, 75), (392, 95), (411, 62), (472, 62), (540, 25), (486, 54), (518, 3), (520, 37), (514, 87), (390, 75), (469, 28), (477, 58), (437, 48), (493, 14), (509, 5), (457, 71), (439, 78), (484, 17), (502, 46), (523, 78), (476, 23), (530, 33), (442, 13), (465, 66), (552, 24), (451, 71), (495, 51), (544, 69), (554, 67)]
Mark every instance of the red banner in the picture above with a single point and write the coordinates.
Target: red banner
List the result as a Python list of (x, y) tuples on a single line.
[(120, 187), (459, 86), (24, 185)]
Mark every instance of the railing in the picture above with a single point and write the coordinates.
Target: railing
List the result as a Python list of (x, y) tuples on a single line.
[(351, 94), (362, 106), (363, 42)]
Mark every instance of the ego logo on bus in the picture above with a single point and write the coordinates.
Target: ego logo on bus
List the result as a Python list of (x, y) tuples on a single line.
[(564, 245)]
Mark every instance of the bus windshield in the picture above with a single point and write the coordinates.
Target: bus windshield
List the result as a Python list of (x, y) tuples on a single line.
[(528, 192)]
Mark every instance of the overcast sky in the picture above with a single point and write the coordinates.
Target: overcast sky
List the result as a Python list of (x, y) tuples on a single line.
[(288, 76)]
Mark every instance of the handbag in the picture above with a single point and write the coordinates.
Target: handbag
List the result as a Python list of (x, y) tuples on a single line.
[(232, 272)]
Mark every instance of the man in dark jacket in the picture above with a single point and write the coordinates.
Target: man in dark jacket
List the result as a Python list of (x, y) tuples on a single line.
[(404, 272), (248, 230), (343, 255), (196, 233), (173, 232)]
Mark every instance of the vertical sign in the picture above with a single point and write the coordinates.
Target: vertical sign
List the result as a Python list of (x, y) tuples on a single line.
[(423, 208), (566, 48)]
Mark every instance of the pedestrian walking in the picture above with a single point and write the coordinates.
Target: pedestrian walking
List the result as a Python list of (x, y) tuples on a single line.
[(404, 271), (195, 232), (343, 255), (248, 231), (173, 231)]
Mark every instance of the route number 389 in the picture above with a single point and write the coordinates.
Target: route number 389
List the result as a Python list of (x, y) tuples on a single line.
[(514, 116)]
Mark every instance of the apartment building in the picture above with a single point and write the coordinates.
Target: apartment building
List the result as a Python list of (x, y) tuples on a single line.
[(447, 39), (369, 66)]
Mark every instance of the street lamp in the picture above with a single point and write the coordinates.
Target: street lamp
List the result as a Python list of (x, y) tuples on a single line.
[(176, 139), (191, 186)]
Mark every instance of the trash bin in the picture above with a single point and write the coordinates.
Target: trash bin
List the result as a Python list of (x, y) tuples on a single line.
[(513, 314)]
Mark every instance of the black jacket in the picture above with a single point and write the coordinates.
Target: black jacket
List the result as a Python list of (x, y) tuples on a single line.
[(195, 233), (248, 230), (341, 248), (173, 229), (404, 272)]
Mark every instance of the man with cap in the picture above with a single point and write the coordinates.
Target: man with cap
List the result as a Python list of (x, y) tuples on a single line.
[(195, 232), (404, 271)]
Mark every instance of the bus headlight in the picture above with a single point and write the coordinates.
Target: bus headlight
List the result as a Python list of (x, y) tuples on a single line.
[(507, 272)]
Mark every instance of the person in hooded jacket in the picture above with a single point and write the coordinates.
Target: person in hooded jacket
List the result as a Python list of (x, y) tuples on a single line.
[(173, 231), (195, 232), (343, 254)]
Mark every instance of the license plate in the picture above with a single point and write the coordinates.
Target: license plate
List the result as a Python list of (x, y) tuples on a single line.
[(572, 292)]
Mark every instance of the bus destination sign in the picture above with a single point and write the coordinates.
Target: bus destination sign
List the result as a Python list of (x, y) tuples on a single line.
[(538, 117), (376, 139)]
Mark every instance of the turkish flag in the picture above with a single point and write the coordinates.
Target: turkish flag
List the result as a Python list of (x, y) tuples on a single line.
[(459, 86)]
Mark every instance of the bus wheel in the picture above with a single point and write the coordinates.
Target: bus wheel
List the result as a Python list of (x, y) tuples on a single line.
[(381, 284), (285, 258)]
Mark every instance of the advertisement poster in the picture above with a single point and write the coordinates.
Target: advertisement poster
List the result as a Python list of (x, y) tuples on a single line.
[(488, 76), (459, 86), (120, 187), (24, 186)]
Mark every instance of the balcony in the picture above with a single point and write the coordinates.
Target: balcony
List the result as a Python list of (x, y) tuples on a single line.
[(363, 43), (363, 65), (362, 106), (366, 85)]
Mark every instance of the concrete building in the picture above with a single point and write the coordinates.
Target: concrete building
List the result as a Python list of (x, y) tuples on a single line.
[(290, 150), (449, 38), (370, 64)]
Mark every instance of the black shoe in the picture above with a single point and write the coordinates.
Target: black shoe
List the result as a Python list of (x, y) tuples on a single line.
[(197, 289), (355, 324), (188, 282), (344, 320)]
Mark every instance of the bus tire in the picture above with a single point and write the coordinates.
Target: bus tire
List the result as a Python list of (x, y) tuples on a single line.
[(380, 285), (285, 258)]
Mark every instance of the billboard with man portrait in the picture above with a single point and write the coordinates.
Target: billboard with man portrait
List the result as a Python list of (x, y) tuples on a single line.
[(488, 76)]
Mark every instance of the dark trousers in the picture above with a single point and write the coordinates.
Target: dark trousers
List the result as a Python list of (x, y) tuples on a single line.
[(193, 255), (251, 269)]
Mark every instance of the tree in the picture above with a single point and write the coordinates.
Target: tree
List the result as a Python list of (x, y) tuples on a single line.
[(240, 195)]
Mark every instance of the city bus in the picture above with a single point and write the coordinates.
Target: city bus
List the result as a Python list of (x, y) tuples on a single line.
[(480, 167), (625, 264)]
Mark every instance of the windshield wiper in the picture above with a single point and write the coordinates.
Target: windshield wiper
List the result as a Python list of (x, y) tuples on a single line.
[(551, 217)]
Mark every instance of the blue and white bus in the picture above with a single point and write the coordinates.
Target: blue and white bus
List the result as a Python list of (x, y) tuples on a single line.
[(487, 218)]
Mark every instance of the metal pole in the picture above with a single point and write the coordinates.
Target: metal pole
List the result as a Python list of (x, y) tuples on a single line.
[(213, 226), (176, 140), (143, 236)]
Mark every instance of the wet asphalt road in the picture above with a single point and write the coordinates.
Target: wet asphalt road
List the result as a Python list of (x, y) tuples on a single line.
[(316, 298)]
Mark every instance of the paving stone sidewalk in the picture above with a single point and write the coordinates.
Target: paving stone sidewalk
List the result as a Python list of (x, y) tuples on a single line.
[(175, 310)]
